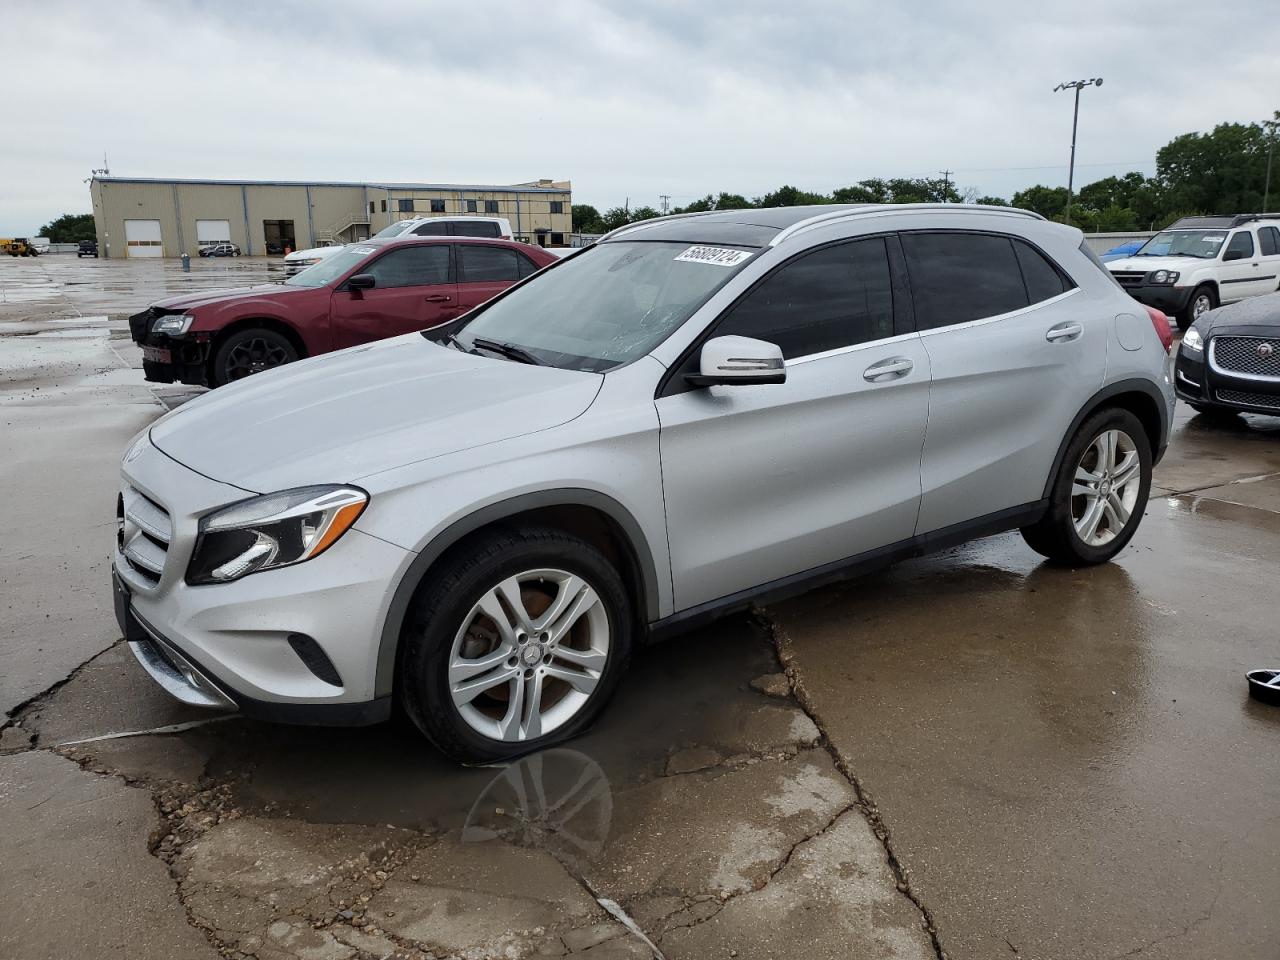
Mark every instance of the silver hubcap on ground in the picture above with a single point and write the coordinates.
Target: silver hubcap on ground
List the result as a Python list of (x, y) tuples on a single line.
[(1105, 489), (529, 654), (1201, 305)]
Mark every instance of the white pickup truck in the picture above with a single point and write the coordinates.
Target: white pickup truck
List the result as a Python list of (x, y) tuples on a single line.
[(492, 227), (1201, 262)]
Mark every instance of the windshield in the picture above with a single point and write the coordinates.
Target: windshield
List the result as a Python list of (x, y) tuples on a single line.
[(395, 229), (1204, 244), (607, 306), (329, 269)]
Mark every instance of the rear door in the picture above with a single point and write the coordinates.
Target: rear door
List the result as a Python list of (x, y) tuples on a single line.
[(414, 290), (1269, 254), (1014, 352), (485, 271)]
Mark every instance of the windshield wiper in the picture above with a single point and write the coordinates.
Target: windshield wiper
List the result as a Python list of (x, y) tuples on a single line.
[(508, 350), (450, 339)]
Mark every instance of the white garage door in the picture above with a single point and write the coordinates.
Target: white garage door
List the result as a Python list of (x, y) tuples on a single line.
[(142, 238), (212, 231)]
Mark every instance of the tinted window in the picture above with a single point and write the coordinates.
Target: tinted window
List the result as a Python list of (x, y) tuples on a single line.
[(1042, 278), (487, 263), (1241, 246), (433, 229), (412, 266), (1269, 241), (404, 206), (476, 228), (833, 297), (527, 266), (958, 277)]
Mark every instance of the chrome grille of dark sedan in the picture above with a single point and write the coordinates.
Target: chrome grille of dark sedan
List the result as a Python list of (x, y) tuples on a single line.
[(1267, 401), (1255, 356), (143, 534)]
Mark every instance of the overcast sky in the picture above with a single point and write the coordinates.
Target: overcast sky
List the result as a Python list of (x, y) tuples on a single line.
[(626, 99)]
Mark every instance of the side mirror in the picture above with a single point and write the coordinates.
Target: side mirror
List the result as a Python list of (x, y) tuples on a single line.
[(362, 281), (739, 360), (1236, 255)]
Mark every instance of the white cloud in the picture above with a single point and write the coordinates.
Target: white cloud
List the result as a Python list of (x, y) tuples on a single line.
[(626, 99)]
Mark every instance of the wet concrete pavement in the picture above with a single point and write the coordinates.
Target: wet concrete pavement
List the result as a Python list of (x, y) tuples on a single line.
[(983, 755)]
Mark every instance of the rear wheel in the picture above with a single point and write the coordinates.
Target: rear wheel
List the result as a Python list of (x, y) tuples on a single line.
[(251, 351), (1203, 299), (516, 643), (1100, 493)]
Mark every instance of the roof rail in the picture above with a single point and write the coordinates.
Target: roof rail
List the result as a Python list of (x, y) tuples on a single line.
[(868, 209), (653, 221), (1250, 217), (1219, 222)]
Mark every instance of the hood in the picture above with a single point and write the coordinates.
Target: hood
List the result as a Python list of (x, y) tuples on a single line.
[(1147, 264), (313, 253), (361, 411), (204, 298), (1254, 317)]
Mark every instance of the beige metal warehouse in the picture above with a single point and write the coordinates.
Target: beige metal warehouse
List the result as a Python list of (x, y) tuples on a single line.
[(143, 217)]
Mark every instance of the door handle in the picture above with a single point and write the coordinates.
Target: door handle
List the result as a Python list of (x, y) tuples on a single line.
[(890, 369), (1064, 332), (437, 298)]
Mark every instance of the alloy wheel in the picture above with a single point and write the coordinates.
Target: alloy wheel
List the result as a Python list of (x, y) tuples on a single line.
[(1202, 305), (1105, 489), (529, 654), (253, 356)]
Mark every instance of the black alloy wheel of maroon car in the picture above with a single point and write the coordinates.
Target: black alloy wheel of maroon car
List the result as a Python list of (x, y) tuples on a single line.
[(247, 352)]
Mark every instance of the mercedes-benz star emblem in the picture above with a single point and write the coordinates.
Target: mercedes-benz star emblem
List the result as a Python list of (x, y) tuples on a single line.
[(1265, 350)]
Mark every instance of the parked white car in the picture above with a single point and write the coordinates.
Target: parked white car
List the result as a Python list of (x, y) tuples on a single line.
[(493, 228), (1201, 262)]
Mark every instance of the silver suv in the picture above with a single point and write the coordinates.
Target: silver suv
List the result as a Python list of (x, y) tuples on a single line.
[(695, 414)]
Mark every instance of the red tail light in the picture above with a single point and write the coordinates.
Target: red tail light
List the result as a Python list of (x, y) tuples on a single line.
[(1163, 330)]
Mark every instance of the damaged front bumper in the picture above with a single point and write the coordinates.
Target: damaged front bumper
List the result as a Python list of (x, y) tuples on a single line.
[(167, 359)]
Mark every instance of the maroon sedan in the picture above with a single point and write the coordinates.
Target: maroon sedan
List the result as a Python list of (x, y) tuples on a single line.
[(372, 289)]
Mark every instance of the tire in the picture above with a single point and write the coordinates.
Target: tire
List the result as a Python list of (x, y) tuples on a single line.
[(250, 351), (445, 619), (1205, 297), (1056, 536)]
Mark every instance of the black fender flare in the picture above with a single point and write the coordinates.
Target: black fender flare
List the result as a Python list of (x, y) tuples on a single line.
[(641, 555), (1099, 399)]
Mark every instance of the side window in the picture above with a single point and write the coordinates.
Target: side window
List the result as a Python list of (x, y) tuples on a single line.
[(486, 263), (1240, 246), (526, 265), (959, 277), (412, 266), (1269, 241), (475, 228), (834, 297), (432, 229), (1042, 278)]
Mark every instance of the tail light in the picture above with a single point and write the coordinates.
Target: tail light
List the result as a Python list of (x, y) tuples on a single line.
[(1163, 330)]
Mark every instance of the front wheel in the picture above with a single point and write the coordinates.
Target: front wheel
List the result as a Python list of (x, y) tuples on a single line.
[(1099, 495), (515, 644), (251, 351), (1202, 301)]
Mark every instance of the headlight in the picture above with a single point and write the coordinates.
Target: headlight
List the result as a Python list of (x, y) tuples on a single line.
[(305, 263), (1163, 276), (175, 325), (1193, 341), (275, 530)]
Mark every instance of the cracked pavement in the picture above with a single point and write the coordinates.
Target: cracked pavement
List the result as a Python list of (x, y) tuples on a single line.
[(971, 755)]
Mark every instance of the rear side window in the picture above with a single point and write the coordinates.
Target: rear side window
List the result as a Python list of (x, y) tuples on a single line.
[(477, 228), (526, 265), (959, 277), (1269, 241), (436, 229), (1241, 246), (412, 266), (1043, 279), (834, 297), (487, 263)]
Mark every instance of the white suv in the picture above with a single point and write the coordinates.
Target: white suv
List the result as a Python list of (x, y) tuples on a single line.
[(1201, 262), (493, 228), (694, 414)]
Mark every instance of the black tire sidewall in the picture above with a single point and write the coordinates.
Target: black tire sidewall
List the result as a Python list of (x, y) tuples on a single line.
[(218, 376), (1060, 499), (1186, 316), (442, 603)]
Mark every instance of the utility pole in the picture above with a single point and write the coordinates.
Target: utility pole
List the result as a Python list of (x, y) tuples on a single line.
[(1077, 86), (1271, 148), (946, 184), (665, 198)]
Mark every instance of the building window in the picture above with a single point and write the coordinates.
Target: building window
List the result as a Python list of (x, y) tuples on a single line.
[(471, 206), (557, 206), (405, 206), (557, 239), (491, 206), (371, 207), (437, 206)]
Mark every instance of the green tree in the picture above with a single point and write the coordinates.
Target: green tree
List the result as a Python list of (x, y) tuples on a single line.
[(788, 196), (69, 228), (1215, 173), (992, 201), (643, 213), (1047, 201), (586, 218)]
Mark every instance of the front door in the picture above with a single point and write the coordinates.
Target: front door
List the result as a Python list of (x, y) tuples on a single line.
[(1243, 273), (413, 290), (763, 482)]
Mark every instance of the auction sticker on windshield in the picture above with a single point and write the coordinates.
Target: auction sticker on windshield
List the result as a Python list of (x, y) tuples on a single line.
[(719, 256)]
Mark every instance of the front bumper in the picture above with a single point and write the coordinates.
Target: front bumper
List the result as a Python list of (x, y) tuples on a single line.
[(1163, 297), (188, 355), (250, 645), (1197, 382)]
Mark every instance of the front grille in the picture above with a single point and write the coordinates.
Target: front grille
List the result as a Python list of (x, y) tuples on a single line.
[(143, 534), (1129, 278), (1267, 401), (1255, 356)]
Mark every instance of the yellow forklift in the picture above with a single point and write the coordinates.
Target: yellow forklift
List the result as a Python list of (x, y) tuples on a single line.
[(17, 247)]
